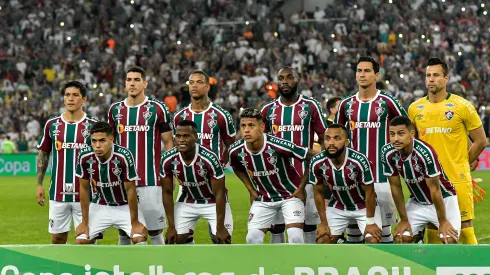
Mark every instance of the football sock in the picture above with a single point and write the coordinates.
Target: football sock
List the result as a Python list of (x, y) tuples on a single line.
[(124, 240), (386, 237), (158, 239), (468, 236), (433, 236), (255, 236), (295, 235)]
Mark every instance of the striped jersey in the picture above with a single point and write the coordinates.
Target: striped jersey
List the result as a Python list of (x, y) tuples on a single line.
[(139, 129), (195, 178), (64, 140), (270, 170), (420, 164), (345, 182), (213, 126), (296, 123), (369, 125), (108, 177)]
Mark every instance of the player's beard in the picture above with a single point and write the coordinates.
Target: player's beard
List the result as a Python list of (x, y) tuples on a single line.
[(336, 154), (291, 94)]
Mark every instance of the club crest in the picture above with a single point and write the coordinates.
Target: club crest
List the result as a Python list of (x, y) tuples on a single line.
[(272, 160), (303, 114), (379, 110), (449, 115), (212, 123)]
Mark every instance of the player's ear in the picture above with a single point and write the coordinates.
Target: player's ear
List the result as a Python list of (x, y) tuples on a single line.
[(262, 126), (377, 76), (347, 142)]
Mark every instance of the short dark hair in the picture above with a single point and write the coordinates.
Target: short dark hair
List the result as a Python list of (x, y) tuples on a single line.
[(331, 102), (75, 84), (136, 69), (434, 61), (101, 127), (192, 124), (367, 58), (339, 126), (206, 76), (295, 72), (251, 113), (401, 120)]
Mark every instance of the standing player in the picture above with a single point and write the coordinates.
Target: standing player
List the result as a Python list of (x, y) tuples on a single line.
[(367, 114), (332, 108), (200, 173), (140, 123), (111, 170), (349, 174), (432, 196), (63, 136), (444, 121), (295, 118), (262, 162), (214, 124)]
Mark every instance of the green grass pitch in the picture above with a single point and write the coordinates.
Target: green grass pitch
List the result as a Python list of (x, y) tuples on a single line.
[(23, 221)]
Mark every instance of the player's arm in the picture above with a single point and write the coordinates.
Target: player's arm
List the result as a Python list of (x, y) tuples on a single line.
[(168, 140), (218, 186), (445, 227), (243, 176), (478, 145), (371, 227), (136, 226), (397, 194), (84, 205), (168, 204), (42, 165), (228, 142)]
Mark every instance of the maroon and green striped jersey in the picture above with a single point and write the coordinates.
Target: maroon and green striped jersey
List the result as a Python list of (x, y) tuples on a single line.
[(64, 140), (345, 182), (213, 126), (296, 123), (420, 164), (139, 129), (270, 170), (369, 125), (108, 177), (196, 177)]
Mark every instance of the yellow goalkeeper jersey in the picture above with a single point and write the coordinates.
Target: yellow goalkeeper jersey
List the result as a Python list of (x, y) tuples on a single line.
[(445, 126)]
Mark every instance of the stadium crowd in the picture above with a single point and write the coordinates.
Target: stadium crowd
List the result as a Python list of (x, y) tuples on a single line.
[(43, 44)]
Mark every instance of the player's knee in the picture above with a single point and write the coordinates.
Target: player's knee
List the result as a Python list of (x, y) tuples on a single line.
[(181, 238), (83, 241), (403, 239), (277, 228), (139, 240), (155, 232), (324, 240), (295, 235), (309, 227), (449, 240), (59, 238), (255, 236), (371, 240)]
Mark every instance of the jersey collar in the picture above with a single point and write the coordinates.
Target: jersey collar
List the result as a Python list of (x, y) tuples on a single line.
[(300, 96), (82, 119), (371, 100), (108, 159), (139, 105), (202, 112), (343, 164), (261, 150), (193, 161)]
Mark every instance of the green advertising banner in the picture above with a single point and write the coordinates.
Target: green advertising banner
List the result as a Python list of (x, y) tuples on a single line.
[(246, 260), (19, 165)]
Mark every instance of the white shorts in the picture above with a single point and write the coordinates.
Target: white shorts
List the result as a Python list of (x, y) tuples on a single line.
[(186, 216), (419, 215), (311, 213), (151, 205), (102, 217), (61, 215), (386, 203), (262, 214), (338, 220)]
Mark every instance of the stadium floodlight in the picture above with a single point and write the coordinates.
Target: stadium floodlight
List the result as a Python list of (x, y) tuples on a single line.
[(178, 42), (332, 35), (355, 6), (387, 82), (247, 22), (463, 9), (402, 76), (25, 98), (132, 2), (422, 36), (68, 38), (443, 1), (334, 50), (460, 53), (276, 34), (95, 85), (482, 5), (62, 24), (428, 40), (101, 94), (390, 1), (400, 35), (131, 26), (485, 13)]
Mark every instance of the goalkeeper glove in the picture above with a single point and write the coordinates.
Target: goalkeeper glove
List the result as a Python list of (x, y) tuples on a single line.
[(477, 191)]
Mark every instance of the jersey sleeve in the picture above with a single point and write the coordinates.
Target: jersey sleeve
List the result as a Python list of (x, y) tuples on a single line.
[(233, 156), (395, 108), (366, 173), (130, 169), (45, 142), (164, 120), (111, 121), (165, 170), (389, 168), (318, 119), (315, 176), (227, 128), (80, 170), (264, 112), (340, 116), (176, 121), (289, 149), (412, 113), (471, 120), (215, 168), (431, 165)]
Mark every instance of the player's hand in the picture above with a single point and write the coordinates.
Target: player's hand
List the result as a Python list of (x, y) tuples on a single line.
[(374, 230), (299, 193), (138, 228), (446, 229), (82, 228), (477, 191), (402, 227), (171, 235), (323, 230), (473, 165), (40, 195), (253, 196), (222, 235)]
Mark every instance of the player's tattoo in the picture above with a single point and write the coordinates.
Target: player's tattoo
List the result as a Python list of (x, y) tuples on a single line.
[(42, 165)]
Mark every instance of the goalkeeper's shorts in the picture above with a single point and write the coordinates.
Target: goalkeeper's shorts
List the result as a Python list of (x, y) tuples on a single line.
[(464, 190)]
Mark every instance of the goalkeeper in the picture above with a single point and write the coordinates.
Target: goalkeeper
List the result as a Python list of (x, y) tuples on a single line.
[(444, 120)]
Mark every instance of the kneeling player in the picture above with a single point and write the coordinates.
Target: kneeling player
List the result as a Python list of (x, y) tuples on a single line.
[(202, 178), (111, 169), (262, 162), (432, 197), (349, 175)]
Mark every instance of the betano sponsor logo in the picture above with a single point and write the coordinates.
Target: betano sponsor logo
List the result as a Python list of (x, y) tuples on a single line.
[(109, 184), (287, 128), (194, 184), (205, 136), (70, 145), (132, 128), (435, 130), (364, 125), (344, 188), (263, 173)]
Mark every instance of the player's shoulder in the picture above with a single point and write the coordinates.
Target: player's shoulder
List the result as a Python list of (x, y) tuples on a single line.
[(170, 153), (347, 99), (418, 104), (53, 119), (267, 105), (312, 101), (458, 102), (221, 110), (354, 154), (118, 149), (276, 141), (389, 97), (319, 157), (85, 152), (237, 144), (157, 103), (387, 149), (91, 118), (180, 111), (423, 147), (207, 154), (116, 103)]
